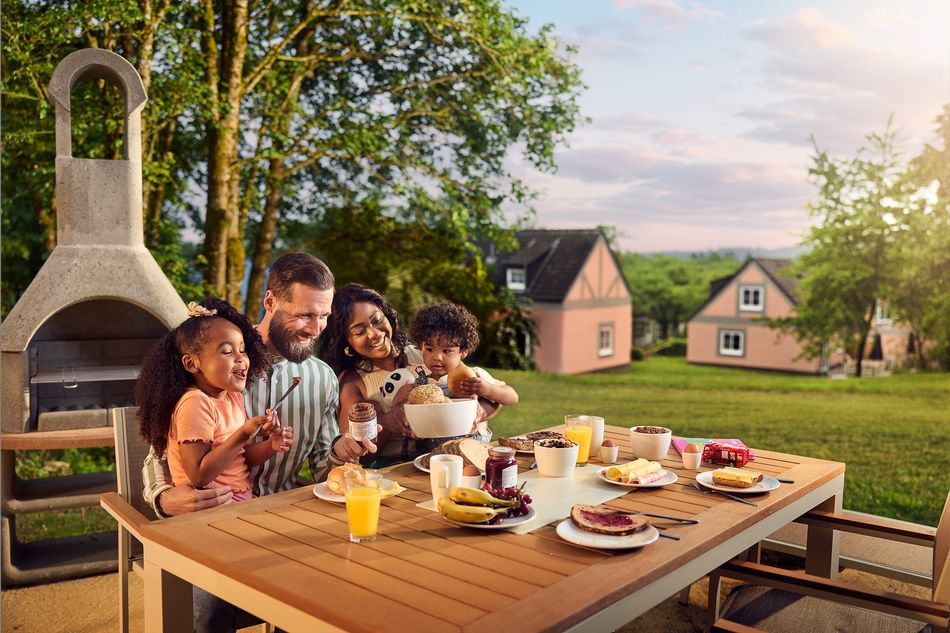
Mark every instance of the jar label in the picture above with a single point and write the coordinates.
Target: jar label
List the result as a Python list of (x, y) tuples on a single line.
[(509, 477), (360, 430)]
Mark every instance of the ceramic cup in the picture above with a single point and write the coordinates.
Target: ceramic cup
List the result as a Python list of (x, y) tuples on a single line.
[(692, 461), (445, 473), (596, 424), (608, 454), (471, 481), (653, 446)]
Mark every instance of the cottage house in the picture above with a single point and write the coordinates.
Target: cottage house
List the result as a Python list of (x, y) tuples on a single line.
[(726, 330), (579, 298)]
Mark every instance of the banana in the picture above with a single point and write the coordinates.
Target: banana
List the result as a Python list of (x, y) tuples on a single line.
[(478, 497), (467, 514)]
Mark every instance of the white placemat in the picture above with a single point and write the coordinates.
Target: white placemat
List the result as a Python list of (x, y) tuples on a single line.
[(553, 497)]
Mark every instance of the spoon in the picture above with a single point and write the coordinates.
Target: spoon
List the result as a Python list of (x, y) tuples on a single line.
[(295, 381)]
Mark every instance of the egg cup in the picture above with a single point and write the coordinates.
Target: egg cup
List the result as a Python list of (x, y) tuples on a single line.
[(692, 461)]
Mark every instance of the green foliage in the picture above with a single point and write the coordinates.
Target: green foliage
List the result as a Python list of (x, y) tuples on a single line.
[(671, 289), (636, 354), (895, 424)]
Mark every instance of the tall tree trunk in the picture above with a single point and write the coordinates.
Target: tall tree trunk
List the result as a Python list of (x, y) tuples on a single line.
[(263, 246), (863, 340), (225, 81)]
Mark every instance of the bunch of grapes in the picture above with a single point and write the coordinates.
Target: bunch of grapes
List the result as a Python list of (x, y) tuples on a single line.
[(519, 510)]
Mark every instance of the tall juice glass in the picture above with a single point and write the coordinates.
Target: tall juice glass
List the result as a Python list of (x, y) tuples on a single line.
[(362, 496), (578, 431)]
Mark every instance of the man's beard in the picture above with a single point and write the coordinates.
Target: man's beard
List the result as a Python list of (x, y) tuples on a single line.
[(285, 341)]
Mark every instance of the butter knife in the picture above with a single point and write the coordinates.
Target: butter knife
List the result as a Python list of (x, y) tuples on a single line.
[(273, 407)]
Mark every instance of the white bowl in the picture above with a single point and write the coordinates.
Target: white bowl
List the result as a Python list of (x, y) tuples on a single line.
[(449, 419), (653, 446), (555, 462)]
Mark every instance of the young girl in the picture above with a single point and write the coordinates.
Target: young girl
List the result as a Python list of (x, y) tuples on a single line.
[(447, 333), (190, 402)]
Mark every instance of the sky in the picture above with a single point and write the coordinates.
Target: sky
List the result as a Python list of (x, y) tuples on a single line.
[(701, 112)]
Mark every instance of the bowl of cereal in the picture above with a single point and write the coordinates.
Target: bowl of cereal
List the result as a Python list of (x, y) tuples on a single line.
[(556, 456), (650, 442)]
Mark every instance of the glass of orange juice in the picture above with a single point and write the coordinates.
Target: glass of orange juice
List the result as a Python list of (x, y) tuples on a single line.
[(362, 494), (578, 431)]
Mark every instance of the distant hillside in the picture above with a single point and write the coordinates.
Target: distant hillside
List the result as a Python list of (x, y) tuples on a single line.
[(739, 253)]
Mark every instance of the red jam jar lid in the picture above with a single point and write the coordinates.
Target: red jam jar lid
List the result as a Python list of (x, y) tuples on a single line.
[(501, 451)]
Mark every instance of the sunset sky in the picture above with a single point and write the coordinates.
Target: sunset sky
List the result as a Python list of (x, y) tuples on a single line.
[(701, 112)]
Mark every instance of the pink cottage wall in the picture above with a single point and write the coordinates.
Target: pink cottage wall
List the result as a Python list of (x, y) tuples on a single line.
[(764, 347), (568, 332)]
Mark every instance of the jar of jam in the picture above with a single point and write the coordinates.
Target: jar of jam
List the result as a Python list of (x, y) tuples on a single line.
[(501, 469)]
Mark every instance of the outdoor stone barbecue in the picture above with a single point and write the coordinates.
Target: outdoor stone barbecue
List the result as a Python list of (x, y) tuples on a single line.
[(73, 343)]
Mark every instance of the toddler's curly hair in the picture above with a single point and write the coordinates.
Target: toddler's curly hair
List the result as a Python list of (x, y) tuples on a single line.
[(164, 379), (446, 320)]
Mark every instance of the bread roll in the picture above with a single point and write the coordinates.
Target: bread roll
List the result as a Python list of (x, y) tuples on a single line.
[(456, 376), (335, 477), (426, 394)]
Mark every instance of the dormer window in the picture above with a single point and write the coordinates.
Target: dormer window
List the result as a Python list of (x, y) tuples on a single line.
[(516, 279), (752, 298)]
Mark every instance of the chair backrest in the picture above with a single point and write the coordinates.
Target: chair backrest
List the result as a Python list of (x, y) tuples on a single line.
[(130, 451), (942, 557)]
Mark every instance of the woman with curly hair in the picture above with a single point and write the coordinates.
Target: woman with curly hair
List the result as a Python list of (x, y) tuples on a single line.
[(364, 344), (190, 402)]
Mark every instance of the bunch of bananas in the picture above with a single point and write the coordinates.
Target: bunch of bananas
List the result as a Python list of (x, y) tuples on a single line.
[(472, 505)]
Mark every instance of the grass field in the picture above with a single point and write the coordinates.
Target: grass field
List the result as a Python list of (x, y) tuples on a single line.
[(893, 433)]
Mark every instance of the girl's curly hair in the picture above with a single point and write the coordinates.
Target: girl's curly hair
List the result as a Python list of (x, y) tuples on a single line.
[(446, 320), (164, 379), (333, 340)]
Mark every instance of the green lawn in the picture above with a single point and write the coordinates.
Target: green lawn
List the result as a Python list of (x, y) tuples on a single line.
[(892, 432)]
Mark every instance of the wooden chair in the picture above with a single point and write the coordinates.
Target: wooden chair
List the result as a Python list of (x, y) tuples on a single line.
[(779, 600), (128, 507)]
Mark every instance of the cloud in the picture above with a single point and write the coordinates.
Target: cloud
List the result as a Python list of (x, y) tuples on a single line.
[(673, 14)]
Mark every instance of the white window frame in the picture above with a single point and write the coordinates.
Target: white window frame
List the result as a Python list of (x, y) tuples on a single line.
[(608, 349), (728, 351), (882, 314), (513, 283), (751, 307)]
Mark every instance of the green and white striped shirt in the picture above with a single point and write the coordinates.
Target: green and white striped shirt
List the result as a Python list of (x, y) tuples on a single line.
[(311, 409)]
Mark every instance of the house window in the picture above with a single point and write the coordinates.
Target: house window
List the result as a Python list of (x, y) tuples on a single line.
[(731, 342), (516, 278), (752, 298), (882, 313), (605, 339)]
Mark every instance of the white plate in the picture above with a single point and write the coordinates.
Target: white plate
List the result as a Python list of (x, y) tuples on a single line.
[(767, 483), (669, 478), (417, 462), (508, 523), (573, 534), (320, 491)]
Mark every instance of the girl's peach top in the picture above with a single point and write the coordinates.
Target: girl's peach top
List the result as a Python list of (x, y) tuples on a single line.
[(199, 417)]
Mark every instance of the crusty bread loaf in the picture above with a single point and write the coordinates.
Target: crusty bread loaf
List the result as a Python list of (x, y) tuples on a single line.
[(736, 477), (472, 452), (427, 394), (335, 477), (606, 521), (456, 376), (526, 443)]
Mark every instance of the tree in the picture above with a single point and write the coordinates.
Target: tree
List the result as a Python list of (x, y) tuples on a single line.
[(288, 113), (922, 295), (851, 259)]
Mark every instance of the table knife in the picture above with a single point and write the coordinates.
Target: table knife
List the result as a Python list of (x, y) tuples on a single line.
[(273, 407), (785, 481), (669, 536), (669, 518)]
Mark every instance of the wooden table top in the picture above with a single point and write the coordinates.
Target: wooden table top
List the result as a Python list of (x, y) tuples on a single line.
[(425, 574)]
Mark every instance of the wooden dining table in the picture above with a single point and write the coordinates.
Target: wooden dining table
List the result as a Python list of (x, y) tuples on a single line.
[(286, 557)]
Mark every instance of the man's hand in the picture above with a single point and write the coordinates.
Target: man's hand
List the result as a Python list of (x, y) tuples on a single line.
[(350, 449), (282, 438), (186, 498)]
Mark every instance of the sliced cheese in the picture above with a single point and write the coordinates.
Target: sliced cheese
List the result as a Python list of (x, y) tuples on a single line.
[(736, 476), (644, 473), (618, 472)]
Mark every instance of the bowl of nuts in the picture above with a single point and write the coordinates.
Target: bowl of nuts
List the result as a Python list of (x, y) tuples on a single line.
[(650, 442), (556, 456)]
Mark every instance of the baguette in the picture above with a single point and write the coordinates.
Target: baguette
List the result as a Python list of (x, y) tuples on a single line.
[(736, 477)]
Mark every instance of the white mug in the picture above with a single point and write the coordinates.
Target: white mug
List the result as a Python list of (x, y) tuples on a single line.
[(445, 472)]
